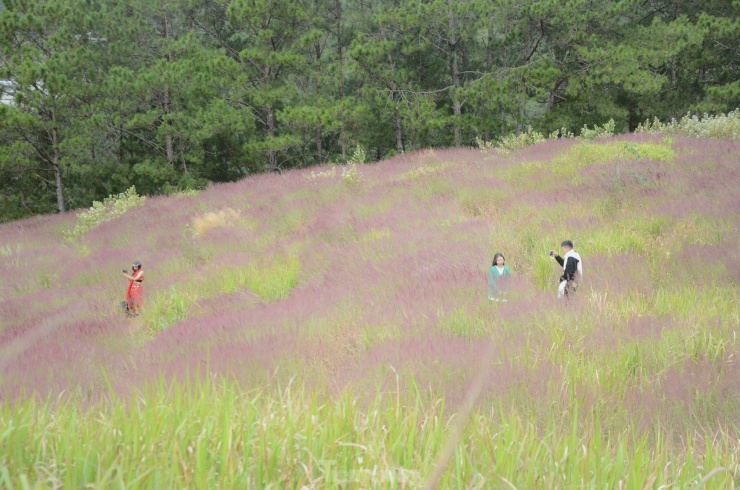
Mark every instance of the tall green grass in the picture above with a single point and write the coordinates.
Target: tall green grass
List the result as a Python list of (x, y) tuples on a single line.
[(212, 435), (270, 280), (566, 167)]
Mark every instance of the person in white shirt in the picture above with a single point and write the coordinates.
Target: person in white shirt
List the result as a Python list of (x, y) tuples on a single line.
[(572, 269)]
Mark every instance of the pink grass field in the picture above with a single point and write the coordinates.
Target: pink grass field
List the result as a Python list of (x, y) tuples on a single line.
[(392, 286)]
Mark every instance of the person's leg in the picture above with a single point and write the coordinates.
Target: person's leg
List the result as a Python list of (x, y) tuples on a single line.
[(138, 303), (562, 289)]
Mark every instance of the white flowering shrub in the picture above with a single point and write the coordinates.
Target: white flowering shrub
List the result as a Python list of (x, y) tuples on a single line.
[(523, 140), (599, 131), (562, 133), (326, 174), (484, 145), (721, 126), (528, 138), (111, 208), (186, 193), (358, 156), (351, 175), (423, 170)]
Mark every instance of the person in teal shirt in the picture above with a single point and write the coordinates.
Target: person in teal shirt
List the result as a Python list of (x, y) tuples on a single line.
[(499, 279)]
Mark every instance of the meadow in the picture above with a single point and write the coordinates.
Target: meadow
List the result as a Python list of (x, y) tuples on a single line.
[(330, 328)]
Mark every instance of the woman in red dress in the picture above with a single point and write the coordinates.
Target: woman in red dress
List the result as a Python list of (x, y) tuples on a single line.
[(135, 292)]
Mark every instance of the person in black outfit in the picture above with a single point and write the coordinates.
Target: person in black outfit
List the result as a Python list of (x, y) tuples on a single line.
[(572, 269)]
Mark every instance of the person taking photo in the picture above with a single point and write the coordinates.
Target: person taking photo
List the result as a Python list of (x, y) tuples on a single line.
[(135, 292), (572, 269)]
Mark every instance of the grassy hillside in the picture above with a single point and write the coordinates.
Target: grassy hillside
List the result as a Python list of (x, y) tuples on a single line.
[(331, 327)]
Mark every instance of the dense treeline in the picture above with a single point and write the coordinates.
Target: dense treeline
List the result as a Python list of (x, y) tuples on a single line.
[(172, 94)]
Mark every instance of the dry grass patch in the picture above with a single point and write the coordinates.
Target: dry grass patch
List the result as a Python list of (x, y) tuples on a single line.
[(211, 221)]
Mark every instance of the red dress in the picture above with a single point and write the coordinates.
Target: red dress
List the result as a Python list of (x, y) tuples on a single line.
[(135, 292)]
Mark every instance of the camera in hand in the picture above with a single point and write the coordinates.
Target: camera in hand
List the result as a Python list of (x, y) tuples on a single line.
[(552, 253), (125, 271)]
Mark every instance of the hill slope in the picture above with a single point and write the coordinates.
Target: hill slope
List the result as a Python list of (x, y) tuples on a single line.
[(376, 280)]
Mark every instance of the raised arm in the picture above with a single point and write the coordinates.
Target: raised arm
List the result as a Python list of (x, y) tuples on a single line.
[(559, 259), (137, 276)]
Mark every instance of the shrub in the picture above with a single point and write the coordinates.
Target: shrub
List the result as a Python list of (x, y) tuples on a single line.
[(351, 175), (422, 170), (185, 193), (721, 126), (484, 145), (211, 221), (111, 208), (523, 140), (598, 132), (358, 156), (561, 133), (326, 174)]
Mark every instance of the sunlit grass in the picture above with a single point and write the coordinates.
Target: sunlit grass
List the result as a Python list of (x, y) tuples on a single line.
[(217, 436), (270, 281)]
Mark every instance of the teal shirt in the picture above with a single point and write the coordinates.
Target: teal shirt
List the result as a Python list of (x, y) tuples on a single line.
[(499, 282)]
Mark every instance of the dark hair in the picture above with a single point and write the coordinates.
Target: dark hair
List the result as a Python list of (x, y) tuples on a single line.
[(137, 265), (498, 254), (567, 243)]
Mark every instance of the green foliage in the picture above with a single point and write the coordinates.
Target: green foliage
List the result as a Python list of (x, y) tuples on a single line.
[(271, 282), (111, 208), (171, 95)]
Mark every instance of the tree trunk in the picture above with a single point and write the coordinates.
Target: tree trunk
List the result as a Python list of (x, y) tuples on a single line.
[(340, 57), (489, 50), (456, 106), (319, 145), (169, 144), (522, 112), (271, 154), (120, 148), (57, 163), (60, 189), (399, 135), (166, 104)]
